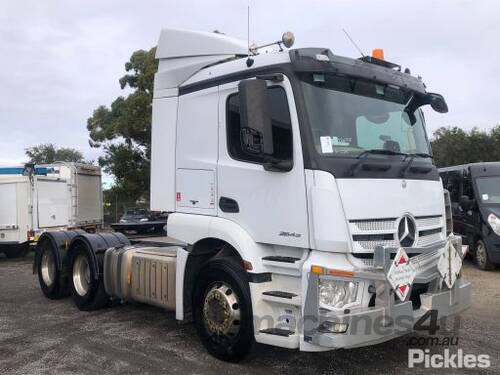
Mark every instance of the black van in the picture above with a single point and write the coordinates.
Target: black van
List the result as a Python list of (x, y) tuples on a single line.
[(475, 200)]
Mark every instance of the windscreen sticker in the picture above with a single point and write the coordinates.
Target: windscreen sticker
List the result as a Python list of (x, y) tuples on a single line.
[(486, 197), (338, 141), (326, 145)]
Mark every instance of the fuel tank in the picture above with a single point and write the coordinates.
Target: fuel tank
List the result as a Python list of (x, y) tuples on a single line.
[(141, 273)]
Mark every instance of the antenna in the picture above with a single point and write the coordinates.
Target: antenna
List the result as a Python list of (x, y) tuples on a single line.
[(248, 30), (249, 59), (353, 42)]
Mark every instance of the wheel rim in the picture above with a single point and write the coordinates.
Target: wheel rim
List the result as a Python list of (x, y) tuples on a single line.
[(48, 267), (221, 311), (81, 275), (481, 254)]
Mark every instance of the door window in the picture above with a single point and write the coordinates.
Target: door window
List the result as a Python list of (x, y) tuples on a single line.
[(280, 119)]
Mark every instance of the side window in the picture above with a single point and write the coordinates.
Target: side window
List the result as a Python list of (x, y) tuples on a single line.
[(280, 118)]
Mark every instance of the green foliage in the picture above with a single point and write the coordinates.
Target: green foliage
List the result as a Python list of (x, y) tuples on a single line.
[(454, 146), (50, 153), (123, 130)]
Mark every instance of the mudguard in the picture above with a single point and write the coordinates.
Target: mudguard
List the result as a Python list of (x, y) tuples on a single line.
[(96, 244), (60, 241)]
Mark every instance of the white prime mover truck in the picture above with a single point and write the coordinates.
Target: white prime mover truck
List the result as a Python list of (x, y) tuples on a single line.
[(34, 199), (303, 195)]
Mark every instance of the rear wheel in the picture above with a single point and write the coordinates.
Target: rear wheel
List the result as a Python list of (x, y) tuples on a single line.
[(52, 283), (87, 290), (222, 310), (481, 257)]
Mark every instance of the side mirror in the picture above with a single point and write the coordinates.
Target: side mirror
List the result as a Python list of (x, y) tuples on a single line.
[(437, 102), (255, 109)]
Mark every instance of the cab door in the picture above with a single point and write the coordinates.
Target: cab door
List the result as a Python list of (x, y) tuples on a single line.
[(271, 206)]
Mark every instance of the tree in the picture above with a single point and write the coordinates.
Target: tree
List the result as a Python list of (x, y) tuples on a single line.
[(50, 153), (123, 131), (454, 146)]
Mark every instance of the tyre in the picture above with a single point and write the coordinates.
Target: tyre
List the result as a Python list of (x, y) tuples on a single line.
[(481, 257), (222, 310), (87, 291), (17, 251), (53, 284)]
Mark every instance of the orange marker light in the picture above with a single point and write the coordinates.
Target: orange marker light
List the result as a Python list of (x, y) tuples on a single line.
[(343, 273), (247, 265), (317, 269), (378, 53)]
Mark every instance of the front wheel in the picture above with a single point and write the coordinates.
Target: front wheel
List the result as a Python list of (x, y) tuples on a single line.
[(481, 257), (223, 310)]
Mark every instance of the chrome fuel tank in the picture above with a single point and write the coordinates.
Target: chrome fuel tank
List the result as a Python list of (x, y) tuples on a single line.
[(141, 273)]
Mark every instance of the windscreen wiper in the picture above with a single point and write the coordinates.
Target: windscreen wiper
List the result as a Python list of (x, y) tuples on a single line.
[(412, 157), (363, 155)]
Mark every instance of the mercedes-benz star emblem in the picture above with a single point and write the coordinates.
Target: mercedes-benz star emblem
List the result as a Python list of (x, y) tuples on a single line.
[(407, 231)]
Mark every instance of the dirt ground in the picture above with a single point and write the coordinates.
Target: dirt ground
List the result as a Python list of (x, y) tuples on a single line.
[(40, 336)]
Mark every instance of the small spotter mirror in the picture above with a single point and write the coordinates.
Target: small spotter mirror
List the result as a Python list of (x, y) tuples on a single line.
[(288, 39)]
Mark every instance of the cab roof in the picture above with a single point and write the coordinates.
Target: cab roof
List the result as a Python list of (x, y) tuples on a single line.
[(188, 57)]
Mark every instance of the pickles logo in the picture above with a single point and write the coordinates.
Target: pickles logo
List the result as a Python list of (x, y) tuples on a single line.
[(447, 360)]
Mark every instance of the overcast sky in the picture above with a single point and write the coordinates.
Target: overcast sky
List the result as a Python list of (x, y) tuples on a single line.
[(59, 60)]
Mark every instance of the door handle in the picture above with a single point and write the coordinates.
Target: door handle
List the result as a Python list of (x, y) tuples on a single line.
[(228, 205)]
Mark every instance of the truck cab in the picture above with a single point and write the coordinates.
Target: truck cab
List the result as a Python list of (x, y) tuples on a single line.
[(308, 167), (475, 199)]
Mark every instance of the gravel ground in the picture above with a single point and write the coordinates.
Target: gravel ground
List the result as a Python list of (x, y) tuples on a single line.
[(40, 336)]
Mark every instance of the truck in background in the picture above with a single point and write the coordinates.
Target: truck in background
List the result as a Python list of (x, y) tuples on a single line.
[(305, 206), (475, 200), (34, 199)]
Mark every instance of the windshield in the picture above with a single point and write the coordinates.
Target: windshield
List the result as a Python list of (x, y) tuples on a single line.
[(349, 116), (489, 189)]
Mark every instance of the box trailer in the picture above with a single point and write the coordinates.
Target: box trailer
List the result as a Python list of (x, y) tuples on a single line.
[(50, 197), (85, 191), (302, 194)]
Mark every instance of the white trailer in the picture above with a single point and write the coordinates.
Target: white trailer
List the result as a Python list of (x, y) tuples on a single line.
[(85, 191), (307, 211), (51, 197)]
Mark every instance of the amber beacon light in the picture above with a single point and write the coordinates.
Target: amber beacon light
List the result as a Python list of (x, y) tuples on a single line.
[(378, 53)]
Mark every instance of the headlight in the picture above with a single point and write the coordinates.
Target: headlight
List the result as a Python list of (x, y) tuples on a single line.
[(123, 221), (144, 219), (494, 222), (337, 293)]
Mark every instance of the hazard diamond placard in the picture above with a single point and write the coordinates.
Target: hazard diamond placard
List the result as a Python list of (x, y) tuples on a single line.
[(450, 264), (401, 274)]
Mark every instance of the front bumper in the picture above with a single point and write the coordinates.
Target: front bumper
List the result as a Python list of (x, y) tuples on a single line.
[(387, 318), (379, 324)]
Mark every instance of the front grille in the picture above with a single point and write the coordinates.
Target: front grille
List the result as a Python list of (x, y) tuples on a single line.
[(368, 234), (375, 225), (429, 221)]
